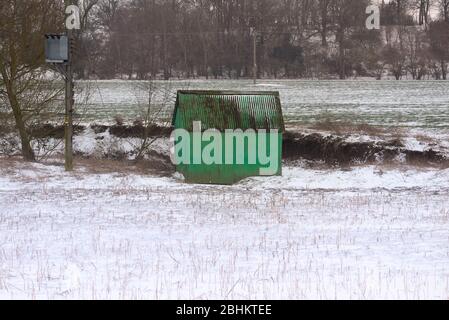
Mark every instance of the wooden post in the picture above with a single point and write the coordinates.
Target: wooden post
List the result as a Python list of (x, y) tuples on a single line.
[(69, 102)]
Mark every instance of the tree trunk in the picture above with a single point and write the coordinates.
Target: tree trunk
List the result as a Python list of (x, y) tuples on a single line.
[(399, 11), (421, 12), (324, 24), (27, 151), (341, 58), (164, 56), (324, 35), (444, 70), (446, 12)]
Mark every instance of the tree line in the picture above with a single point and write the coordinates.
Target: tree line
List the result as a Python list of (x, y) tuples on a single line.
[(149, 39)]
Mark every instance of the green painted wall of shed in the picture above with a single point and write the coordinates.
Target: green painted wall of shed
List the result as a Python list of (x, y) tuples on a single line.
[(228, 174), (223, 110)]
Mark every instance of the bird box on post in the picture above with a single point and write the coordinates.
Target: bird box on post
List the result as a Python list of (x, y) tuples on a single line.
[(56, 48), (58, 54)]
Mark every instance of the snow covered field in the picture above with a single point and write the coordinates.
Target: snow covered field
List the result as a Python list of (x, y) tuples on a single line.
[(366, 233), (411, 104)]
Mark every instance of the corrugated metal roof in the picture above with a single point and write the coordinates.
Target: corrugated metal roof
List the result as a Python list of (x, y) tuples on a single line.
[(223, 110)]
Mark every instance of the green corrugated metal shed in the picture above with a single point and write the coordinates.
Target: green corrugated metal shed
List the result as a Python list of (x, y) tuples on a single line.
[(222, 110)]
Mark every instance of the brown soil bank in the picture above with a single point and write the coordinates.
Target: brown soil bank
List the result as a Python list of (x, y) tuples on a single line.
[(57, 132), (332, 150), (336, 151)]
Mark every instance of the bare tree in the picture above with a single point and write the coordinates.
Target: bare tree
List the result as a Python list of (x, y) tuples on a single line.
[(416, 50), (394, 57), (22, 28), (324, 7), (439, 41), (159, 99), (423, 7), (346, 17), (444, 9), (85, 40)]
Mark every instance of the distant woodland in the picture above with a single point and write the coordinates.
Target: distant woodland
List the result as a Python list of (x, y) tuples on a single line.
[(165, 39)]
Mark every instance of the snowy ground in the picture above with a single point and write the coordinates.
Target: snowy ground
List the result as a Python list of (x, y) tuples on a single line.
[(363, 233), (411, 104), (366, 233)]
